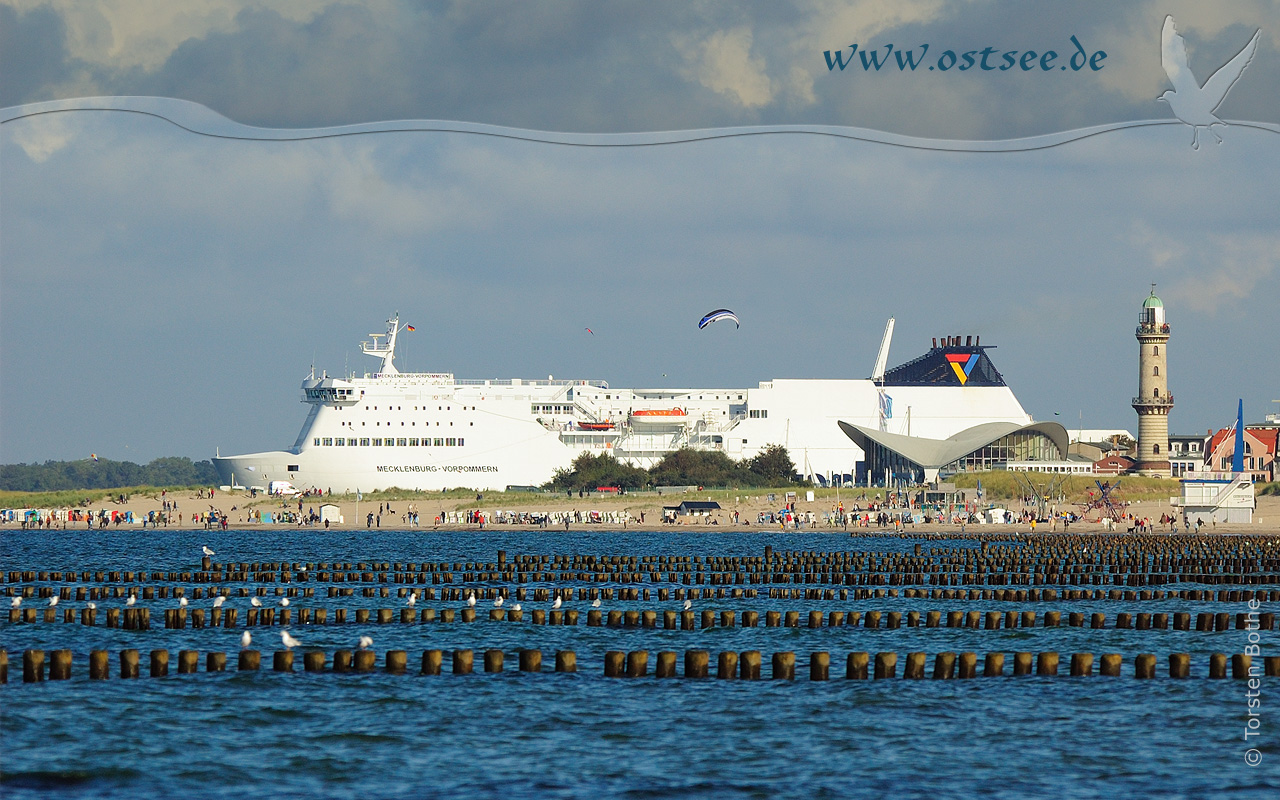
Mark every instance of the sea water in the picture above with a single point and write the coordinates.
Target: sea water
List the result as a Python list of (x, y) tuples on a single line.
[(581, 735)]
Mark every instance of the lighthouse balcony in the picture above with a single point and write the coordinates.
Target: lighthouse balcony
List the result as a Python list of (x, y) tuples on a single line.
[(1163, 400)]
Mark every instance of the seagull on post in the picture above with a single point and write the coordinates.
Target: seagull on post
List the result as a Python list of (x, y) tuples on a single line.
[(289, 641), (595, 603), (205, 549), (688, 605), (182, 602), (1192, 103), (131, 599), (366, 642), (471, 599), (556, 604), (255, 602), (245, 639), (15, 602), (498, 601), (53, 601), (413, 599), (284, 602), (218, 601)]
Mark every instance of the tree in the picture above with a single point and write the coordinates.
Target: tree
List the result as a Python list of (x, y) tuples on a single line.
[(772, 466), (588, 472), (688, 467)]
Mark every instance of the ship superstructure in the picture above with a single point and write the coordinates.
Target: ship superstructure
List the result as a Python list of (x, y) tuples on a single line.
[(431, 431)]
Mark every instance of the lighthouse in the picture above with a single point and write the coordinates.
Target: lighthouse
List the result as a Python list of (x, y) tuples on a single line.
[(1154, 400)]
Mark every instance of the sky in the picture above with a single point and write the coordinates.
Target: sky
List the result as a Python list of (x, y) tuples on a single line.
[(164, 292)]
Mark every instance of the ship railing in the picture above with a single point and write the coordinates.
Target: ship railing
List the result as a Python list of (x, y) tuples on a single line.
[(510, 382)]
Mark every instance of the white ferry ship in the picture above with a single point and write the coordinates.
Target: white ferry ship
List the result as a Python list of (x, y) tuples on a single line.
[(432, 431)]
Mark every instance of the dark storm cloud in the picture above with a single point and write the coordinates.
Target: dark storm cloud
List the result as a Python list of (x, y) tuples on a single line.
[(586, 66)]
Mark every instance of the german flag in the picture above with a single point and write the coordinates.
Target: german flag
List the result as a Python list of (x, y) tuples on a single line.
[(410, 328)]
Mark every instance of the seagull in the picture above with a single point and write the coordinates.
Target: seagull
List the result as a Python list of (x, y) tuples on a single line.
[(218, 601), (182, 601), (688, 605), (245, 639), (516, 607), (284, 602), (289, 641), (131, 599), (15, 602), (205, 549), (92, 606), (497, 601), (53, 601), (471, 599), (413, 599), (255, 602), (366, 642), (1190, 102), (556, 604), (595, 603)]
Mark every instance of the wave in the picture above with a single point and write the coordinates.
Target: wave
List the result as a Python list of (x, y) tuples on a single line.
[(204, 121)]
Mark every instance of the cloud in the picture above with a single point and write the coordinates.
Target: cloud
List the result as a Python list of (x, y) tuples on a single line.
[(723, 63), (42, 136), (1233, 267), (122, 34)]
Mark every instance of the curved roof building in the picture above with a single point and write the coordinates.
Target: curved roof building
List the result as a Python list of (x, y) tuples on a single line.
[(919, 460)]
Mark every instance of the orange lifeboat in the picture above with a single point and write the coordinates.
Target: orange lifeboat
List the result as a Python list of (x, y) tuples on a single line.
[(596, 426), (659, 416)]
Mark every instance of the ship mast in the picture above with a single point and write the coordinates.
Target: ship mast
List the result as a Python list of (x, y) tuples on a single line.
[(386, 350)]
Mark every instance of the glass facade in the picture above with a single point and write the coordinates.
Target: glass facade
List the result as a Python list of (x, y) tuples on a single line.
[(1017, 446)]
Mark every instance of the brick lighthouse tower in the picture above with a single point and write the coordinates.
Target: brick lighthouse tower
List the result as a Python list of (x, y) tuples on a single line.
[(1154, 400)]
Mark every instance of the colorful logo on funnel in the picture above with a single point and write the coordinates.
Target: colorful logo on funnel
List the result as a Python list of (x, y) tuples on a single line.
[(963, 364)]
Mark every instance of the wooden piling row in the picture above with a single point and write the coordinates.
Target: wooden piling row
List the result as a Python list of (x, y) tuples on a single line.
[(730, 665)]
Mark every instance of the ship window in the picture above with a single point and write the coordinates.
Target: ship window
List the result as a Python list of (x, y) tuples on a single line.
[(413, 442), (450, 442), (328, 441), (316, 441), (377, 442), (292, 468), (439, 442), (401, 442), (364, 442), (460, 441), (339, 442), (473, 424), (351, 442)]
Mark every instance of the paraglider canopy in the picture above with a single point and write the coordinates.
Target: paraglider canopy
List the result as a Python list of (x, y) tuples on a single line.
[(717, 315)]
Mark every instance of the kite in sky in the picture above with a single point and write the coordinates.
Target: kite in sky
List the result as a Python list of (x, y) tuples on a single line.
[(588, 330), (717, 315)]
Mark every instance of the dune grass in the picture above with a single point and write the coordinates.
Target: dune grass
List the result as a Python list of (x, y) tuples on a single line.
[(87, 498)]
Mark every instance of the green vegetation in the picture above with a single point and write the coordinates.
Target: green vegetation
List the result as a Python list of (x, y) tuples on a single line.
[(686, 467), (1002, 485), (1269, 488), (58, 476), (85, 498)]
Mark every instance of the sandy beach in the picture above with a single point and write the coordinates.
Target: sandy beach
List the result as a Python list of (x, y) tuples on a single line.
[(394, 514)]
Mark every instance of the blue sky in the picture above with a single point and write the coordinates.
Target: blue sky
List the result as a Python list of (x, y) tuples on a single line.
[(165, 292)]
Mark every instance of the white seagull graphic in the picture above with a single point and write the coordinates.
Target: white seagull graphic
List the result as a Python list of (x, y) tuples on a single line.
[(1192, 103)]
